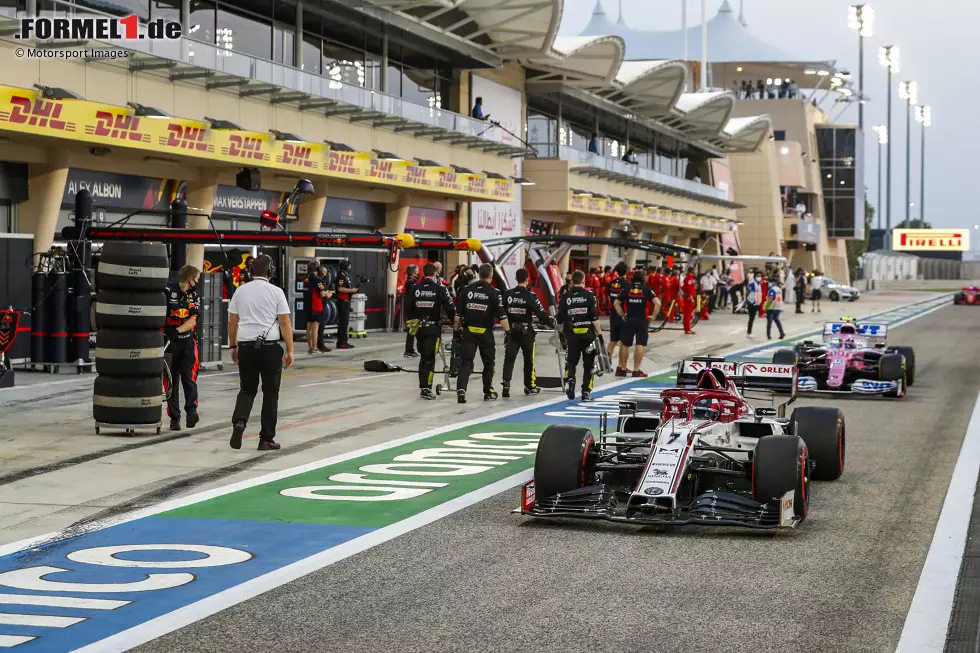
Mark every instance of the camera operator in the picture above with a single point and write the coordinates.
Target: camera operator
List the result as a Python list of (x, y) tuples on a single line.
[(345, 289), (258, 316)]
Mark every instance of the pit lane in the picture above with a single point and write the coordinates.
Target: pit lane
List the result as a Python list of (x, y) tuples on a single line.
[(485, 580)]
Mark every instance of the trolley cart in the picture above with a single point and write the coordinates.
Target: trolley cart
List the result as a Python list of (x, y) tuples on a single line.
[(128, 429), (450, 366)]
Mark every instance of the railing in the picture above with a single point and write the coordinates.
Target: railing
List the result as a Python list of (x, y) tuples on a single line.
[(578, 157), (288, 78)]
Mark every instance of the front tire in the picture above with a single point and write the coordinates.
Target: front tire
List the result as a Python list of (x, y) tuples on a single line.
[(779, 465), (909, 354), (565, 460), (834, 296), (822, 428), (785, 357), (891, 367)]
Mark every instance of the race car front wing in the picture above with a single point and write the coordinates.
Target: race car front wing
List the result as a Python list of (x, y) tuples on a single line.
[(712, 508), (859, 386)]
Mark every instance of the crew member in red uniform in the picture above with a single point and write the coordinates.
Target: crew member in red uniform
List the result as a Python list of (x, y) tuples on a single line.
[(607, 278), (765, 293), (689, 288), (594, 283), (671, 286), (651, 277), (183, 308)]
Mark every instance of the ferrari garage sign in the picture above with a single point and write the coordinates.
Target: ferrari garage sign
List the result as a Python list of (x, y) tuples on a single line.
[(931, 240)]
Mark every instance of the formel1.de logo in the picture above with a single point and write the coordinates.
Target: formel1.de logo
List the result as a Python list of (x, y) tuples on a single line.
[(97, 27)]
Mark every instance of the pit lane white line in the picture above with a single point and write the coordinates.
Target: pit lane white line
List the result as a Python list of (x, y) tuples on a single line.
[(932, 605)]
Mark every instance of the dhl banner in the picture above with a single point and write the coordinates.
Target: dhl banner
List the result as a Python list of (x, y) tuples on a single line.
[(25, 111), (610, 208)]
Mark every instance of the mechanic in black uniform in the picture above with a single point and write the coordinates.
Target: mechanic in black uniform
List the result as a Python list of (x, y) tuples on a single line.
[(478, 305), (411, 280), (631, 305), (424, 310), (183, 308), (579, 314), (614, 289), (345, 289), (521, 304)]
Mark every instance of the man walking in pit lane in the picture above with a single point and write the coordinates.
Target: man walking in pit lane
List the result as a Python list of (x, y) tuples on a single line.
[(183, 308), (579, 315), (424, 311), (636, 305), (615, 289), (479, 305), (521, 305), (411, 280)]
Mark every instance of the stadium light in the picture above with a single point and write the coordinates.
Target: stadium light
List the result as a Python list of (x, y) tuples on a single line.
[(889, 57)]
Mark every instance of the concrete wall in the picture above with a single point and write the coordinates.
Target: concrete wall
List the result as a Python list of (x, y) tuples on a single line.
[(756, 181)]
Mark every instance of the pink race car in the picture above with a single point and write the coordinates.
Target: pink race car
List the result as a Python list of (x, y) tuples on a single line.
[(852, 358), (969, 295)]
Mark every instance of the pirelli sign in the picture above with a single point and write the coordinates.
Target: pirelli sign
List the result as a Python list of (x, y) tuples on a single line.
[(930, 240)]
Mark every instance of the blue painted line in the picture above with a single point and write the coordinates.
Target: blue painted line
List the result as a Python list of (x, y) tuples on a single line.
[(262, 547)]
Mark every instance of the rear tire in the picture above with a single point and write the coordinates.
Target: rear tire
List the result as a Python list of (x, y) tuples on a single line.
[(822, 428), (834, 296), (779, 465), (116, 309), (122, 352), (133, 266), (785, 357), (564, 460), (909, 354)]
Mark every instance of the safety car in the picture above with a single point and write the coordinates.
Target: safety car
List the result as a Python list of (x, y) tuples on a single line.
[(700, 454)]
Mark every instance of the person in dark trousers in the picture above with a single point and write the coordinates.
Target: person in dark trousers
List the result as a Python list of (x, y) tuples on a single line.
[(579, 315), (478, 306), (753, 297), (258, 317), (615, 289), (183, 309), (774, 307), (314, 294), (800, 289), (423, 309), (521, 305), (593, 145), (322, 336), (636, 305), (345, 289), (411, 279)]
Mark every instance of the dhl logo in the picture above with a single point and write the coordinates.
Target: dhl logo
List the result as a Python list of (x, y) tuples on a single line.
[(448, 180), (117, 125), (42, 113), (477, 185), (596, 205), (417, 175), (576, 203), (185, 137), (343, 162), (501, 189), (297, 155), (638, 210), (383, 169), (245, 147), (624, 209)]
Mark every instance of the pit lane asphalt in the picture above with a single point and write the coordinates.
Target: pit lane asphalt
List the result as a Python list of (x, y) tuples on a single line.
[(485, 580)]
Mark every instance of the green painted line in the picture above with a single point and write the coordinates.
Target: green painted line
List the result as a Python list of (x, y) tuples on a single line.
[(266, 503)]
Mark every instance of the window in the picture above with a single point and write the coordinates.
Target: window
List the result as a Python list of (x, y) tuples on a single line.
[(344, 65), (201, 22), (246, 34), (311, 55), (282, 47), (779, 134), (168, 10)]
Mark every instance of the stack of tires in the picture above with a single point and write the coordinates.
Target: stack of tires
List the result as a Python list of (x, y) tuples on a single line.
[(358, 315), (131, 311)]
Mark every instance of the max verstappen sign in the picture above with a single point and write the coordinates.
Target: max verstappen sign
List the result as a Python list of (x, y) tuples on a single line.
[(99, 28), (931, 240)]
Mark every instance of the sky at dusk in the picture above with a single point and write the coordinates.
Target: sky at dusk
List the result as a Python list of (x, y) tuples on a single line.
[(939, 50)]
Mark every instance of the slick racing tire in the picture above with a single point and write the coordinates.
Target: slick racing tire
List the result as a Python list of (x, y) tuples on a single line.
[(785, 357), (123, 352), (822, 428), (133, 266), (115, 309), (891, 367), (127, 400), (909, 354), (779, 465), (565, 460)]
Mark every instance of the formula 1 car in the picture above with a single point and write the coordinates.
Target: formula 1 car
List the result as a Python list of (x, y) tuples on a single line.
[(852, 358), (700, 454), (969, 295)]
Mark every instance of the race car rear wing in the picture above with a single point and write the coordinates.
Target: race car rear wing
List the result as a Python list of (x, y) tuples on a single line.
[(876, 334), (747, 375)]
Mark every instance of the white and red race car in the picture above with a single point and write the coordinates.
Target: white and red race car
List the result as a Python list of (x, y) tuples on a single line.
[(701, 454)]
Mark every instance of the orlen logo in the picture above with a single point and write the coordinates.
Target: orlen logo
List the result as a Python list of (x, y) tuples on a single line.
[(767, 369), (186, 137), (477, 185), (382, 169), (447, 179), (296, 155), (117, 125), (42, 113), (343, 162), (417, 175), (245, 147)]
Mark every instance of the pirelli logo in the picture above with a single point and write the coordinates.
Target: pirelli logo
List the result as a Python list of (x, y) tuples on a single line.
[(297, 155), (185, 137), (343, 162), (40, 113), (381, 169), (245, 147), (118, 126), (931, 240)]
